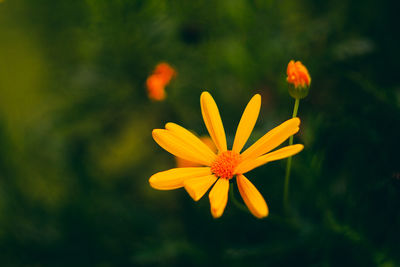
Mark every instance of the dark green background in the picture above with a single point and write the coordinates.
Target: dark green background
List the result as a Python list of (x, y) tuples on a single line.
[(75, 131)]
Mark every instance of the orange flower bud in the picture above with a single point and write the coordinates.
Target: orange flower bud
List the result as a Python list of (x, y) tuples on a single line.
[(155, 88), (162, 75), (297, 74), (165, 72)]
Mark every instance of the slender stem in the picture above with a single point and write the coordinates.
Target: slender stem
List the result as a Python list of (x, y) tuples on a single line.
[(235, 201), (296, 107), (289, 163)]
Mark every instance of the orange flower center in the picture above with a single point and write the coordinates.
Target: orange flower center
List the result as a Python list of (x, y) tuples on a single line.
[(225, 164)]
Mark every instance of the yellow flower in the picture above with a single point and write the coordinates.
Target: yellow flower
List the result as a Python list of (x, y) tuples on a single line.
[(220, 168)]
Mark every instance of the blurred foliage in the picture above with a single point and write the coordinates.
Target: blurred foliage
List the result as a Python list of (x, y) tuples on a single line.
[(75, 131)]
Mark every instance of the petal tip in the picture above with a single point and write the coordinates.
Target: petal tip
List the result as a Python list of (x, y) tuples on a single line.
[(216, 213), (169, 124), (155, 132), (204, 94), (257, 97), (206, 97), (263, 215), (153, 182), (297, 120), (192, 193)]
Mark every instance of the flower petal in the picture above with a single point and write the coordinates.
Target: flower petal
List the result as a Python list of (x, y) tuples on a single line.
[(272, 139), (219, 197), (252, 197), (249, 164), (282, 153), (247, 123), (174, 178), (213, 121), (197, 187), (171, 142), (192, 140)]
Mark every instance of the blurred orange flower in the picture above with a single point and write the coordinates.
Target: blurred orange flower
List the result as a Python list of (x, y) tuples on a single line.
[(156, 82), (298, 74)]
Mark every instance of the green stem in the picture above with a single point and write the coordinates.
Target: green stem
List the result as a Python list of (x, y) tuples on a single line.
[(235, 201), (289, 163), (296, 107)]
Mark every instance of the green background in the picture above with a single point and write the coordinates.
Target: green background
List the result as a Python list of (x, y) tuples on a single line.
[(76, 150)]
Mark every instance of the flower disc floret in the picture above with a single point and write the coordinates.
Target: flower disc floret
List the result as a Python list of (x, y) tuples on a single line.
[(225, 164)]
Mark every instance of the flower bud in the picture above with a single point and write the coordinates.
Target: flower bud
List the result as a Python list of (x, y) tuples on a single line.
[(157, 81), (299, 77)]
